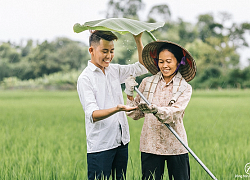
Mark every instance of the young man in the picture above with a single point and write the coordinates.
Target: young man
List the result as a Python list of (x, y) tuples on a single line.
[(100, 93)]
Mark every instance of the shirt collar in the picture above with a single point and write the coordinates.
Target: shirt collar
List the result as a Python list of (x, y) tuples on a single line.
[(161, 78), (94, 67)]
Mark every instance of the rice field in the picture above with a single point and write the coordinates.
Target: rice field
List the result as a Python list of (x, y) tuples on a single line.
[(43, 135)]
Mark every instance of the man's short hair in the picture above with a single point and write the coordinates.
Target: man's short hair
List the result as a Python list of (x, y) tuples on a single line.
[(97, 35)]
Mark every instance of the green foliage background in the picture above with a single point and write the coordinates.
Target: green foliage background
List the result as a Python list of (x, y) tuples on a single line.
[(213, 40)]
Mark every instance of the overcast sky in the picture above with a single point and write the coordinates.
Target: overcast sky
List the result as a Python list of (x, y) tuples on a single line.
[(47, 19)]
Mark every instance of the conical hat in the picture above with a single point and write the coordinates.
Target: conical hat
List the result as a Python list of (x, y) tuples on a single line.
[(149, 54)]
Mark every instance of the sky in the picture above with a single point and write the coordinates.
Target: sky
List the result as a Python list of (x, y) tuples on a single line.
[(47, 19)]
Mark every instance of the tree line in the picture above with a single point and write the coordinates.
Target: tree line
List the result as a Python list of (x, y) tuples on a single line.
[(213, 41)]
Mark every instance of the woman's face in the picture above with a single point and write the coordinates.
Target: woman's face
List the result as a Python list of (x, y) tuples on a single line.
[(167, 64)]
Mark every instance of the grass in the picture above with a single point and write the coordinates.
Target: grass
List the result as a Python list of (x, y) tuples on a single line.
[(43, 135)]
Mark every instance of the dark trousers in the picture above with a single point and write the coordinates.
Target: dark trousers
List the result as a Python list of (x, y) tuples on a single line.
[(102, 164), (153, 166)]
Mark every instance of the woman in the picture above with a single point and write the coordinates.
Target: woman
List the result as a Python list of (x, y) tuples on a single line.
[(167, 90)]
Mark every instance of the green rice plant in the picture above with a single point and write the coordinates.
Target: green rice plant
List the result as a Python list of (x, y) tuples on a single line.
[(217, 127), (43, 135)]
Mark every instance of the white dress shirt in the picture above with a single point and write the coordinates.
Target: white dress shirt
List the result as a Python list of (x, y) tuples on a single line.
[(97, 91)]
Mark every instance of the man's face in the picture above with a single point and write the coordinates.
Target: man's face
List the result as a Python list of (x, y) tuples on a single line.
[(102, 54)]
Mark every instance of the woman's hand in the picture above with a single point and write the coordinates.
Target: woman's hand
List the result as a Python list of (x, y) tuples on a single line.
[(130, 84), (148, 109)]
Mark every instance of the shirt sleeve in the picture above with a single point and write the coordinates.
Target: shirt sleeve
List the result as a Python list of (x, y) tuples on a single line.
[(135, 70), (173, 113), (87, 98), (136, 114)]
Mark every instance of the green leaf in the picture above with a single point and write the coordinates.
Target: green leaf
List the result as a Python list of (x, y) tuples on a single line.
[(120, 25)]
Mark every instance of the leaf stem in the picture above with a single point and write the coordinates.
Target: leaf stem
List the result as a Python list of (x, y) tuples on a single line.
[(151, 35)]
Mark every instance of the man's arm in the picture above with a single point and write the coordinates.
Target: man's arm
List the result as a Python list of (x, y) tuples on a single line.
[(139, 45), (98, 115)]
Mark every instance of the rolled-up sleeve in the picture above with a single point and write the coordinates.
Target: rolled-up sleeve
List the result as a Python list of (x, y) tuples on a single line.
[(135, 70), (87, 97), (171, 114)]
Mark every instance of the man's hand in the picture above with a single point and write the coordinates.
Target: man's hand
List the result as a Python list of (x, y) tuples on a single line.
[(148, 109), (126, 108), (138, 37), (101, 114), (130, 84)]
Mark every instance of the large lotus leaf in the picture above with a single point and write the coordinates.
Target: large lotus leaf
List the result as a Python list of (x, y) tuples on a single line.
[(120, 25)]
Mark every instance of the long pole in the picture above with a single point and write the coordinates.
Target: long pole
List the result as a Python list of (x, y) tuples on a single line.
[(179, 138)]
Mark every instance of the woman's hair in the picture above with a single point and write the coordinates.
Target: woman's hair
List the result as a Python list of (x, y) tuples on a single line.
[(175, 50), (97, 35)]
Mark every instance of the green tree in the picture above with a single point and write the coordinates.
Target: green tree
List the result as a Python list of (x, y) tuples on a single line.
[(27, 49), (207, 27), (9, 52), (5, 69), (187, 32), (49, 57), (124, 9), (237, 34), (159, 13), (9, 57), (224, 40), (71, 54)]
